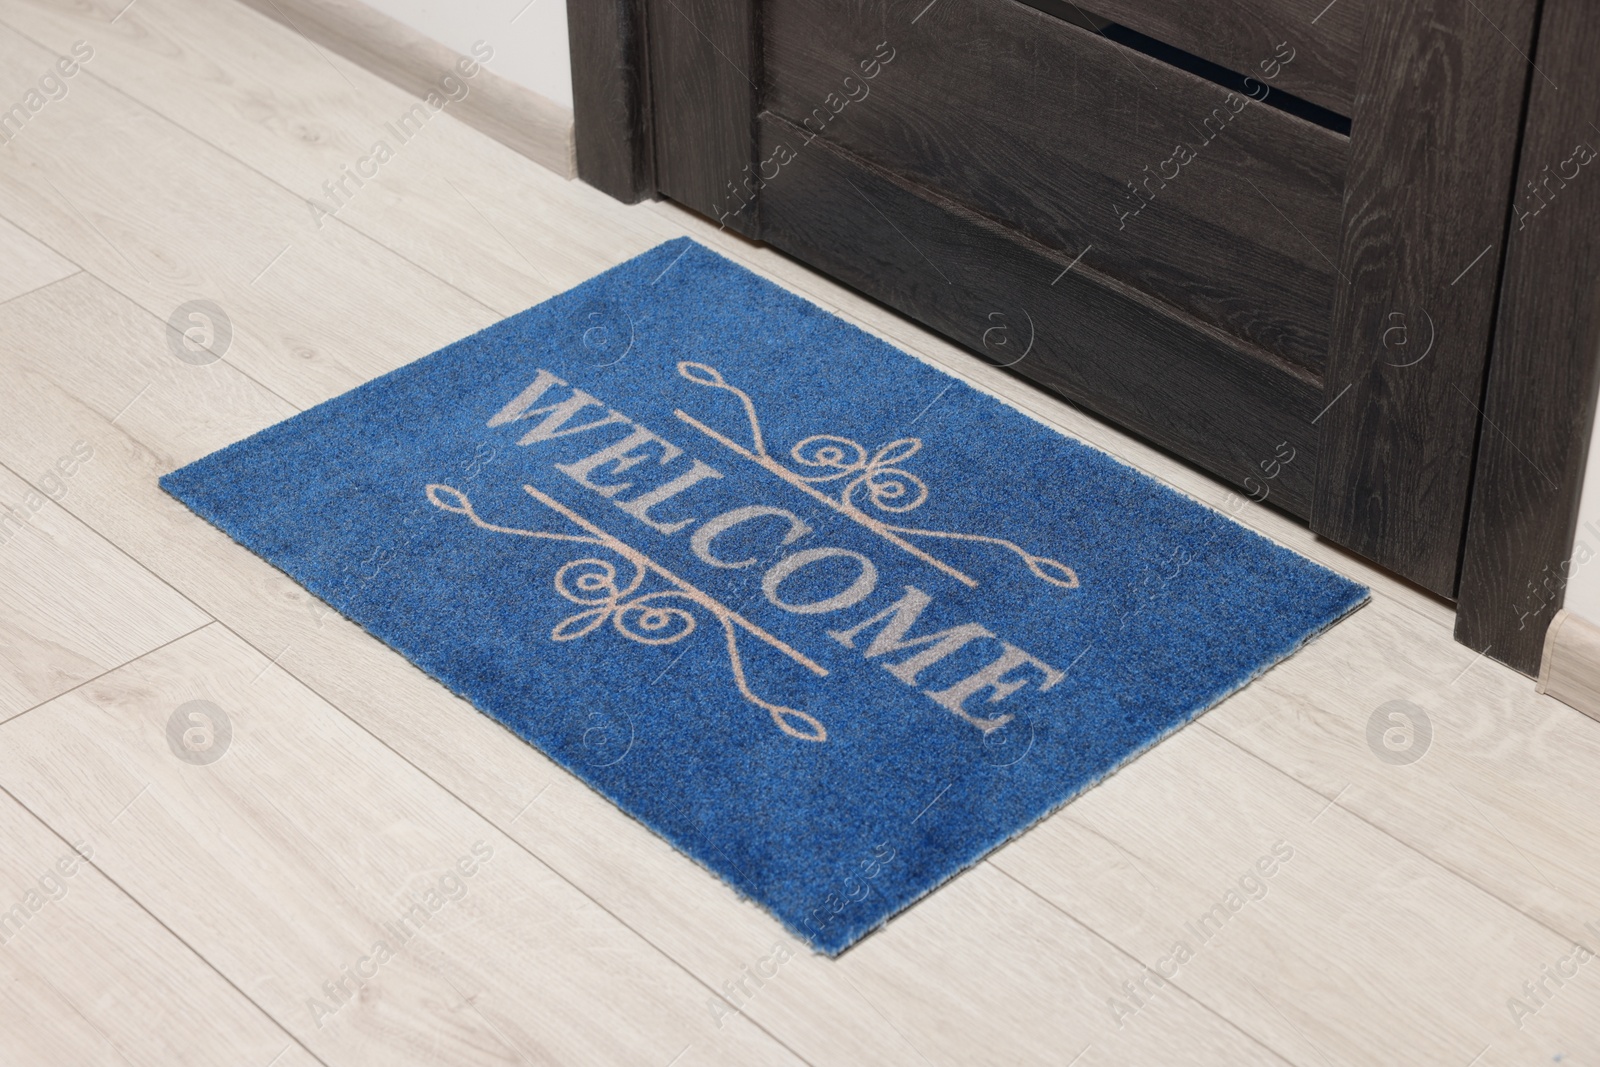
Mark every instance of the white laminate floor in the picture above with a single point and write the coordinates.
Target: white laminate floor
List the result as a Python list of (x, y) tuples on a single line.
[(157, 911)]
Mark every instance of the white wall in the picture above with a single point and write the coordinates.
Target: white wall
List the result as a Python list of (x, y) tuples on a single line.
[(529, 39)]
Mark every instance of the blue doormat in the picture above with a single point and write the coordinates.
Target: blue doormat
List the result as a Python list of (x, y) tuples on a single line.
[(830, 621)]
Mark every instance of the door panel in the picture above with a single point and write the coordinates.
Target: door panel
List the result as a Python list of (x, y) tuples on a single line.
[(1425, 225), (1076, 142), (1111, 349), (704, 66)]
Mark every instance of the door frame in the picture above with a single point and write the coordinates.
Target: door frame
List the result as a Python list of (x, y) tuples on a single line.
[(1539, 406)]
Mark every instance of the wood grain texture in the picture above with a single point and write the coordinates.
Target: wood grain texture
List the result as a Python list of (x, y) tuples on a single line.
[(239, 857), (1540, 401), (118, 222), (1240, 236), (25, 264), (1433, 154), (517, 117), (1471, 767), (1190, 823), (610, 97), (705, 80), (297, 115), (87, 976), (1326, 38), (74, 605), (1071, 419), (1074, 331)]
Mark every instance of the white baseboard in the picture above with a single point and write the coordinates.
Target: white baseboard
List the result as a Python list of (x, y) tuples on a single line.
[(1570, 669), (519, 118)]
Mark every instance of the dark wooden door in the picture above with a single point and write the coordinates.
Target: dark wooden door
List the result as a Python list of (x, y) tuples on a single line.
[(1265, 234)]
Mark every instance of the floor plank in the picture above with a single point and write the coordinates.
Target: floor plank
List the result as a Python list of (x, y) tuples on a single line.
[(304, 117), (89, 977), (102, 179), (25, 264), (463, 948), (1502, 788), (1316, 932), (75, 606)]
